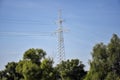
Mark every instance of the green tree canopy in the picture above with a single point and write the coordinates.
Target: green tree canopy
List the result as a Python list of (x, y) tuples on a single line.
[(35, 66), (29, 70), (71, 69), (35, 55), (49, 73), (105, 63)]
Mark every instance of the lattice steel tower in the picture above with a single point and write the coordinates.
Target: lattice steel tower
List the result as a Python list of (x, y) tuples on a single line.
[(60, 48)]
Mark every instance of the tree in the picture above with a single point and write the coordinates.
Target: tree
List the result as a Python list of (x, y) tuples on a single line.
[(114, 57), (35, 66), (48, 72), (29, 67), (34, 55), (29, 70), (3, 75), (98, 64), (105, 63), (10, 73), (71, 70)]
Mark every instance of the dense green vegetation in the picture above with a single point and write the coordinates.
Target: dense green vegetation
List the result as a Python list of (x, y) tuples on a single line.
[(105, 65), (35, 66)]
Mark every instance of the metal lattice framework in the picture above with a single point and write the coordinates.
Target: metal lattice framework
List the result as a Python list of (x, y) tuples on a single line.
[(60, 49)]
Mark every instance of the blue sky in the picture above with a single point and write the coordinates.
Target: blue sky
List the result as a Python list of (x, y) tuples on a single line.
[(88, 21)]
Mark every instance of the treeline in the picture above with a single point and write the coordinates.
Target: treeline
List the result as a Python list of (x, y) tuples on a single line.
[(105, 65), (35, 66)]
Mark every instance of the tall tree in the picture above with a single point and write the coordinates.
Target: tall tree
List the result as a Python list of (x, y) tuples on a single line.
[(105, 63), (98, 64), (114, 57)]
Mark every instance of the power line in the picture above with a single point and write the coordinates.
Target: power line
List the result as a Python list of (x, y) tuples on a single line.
[(25, 34), (19, 21)]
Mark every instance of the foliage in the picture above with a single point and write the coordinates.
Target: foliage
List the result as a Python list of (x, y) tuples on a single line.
[(34, 55), (10, 73), (36, 67), (31, 71), (48, 71), (105, 63), (71, 69)]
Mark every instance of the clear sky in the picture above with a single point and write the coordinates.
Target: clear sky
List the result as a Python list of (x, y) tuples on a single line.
[(89, 22)]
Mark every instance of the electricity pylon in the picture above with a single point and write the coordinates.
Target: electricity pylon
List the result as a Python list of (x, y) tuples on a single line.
[(60, 31), (60, 47)]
